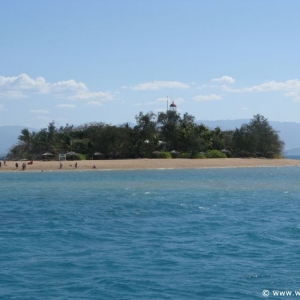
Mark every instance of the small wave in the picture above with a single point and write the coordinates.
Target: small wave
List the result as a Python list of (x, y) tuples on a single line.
[(204, 208)]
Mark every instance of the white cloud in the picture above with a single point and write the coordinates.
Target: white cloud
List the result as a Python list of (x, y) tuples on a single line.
[(21, 86), (97, 95), (39, 111), (2, 108), (291, 88), (7, 94), (158, 85), (224, 79), (67, 89), (210, 97), (292, 85), (23, 82), (66, 106)]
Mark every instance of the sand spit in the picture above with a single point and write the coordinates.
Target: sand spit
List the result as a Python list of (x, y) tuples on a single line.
[(139, 164)]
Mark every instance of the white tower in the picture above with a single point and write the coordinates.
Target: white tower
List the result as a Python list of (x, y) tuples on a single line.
[(173, 106)]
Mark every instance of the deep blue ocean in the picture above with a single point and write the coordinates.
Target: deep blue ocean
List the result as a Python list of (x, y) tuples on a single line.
[(151, 234)]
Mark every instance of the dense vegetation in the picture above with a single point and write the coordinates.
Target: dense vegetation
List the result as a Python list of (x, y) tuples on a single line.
[(165, 135)]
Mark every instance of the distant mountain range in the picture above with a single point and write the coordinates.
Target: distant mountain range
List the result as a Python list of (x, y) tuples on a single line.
[(289, 132), (8, 137)]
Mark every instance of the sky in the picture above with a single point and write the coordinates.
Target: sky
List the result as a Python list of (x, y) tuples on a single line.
[(82, 61)]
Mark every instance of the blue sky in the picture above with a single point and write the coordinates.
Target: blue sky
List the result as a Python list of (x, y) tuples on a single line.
[(105, 61)]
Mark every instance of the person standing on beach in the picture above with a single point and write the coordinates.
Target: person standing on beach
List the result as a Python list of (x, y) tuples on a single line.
[(17, 165), (60, 165), (76, 165)]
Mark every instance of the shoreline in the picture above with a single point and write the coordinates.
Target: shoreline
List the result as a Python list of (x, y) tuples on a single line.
[(148, 164)]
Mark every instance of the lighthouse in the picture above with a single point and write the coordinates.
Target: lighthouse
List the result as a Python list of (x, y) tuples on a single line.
[(173, 106)]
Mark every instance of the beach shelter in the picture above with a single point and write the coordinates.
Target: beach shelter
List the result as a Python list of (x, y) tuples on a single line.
[(97, 155), (174, 153), (225, 151), (71, 154), (47, 155), (155, 153)]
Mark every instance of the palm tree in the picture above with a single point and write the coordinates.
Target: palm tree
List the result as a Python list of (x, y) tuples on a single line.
[(26, 138)]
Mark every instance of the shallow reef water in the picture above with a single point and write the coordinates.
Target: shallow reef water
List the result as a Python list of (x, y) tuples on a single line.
[(150, 234)]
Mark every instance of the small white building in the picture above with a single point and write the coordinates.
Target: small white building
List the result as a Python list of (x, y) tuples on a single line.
[(173, 106)]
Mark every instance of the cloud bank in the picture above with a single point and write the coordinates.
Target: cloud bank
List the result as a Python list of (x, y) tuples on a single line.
[(66, 106), (291, 88), (225, 79), (22, 85), (159, 85), (210, 97)]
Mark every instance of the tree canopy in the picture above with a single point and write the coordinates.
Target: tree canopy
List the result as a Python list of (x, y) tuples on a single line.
[(153, 133), (257, 138)]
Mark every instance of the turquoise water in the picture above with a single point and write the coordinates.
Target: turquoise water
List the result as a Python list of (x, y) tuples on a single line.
[(154, 234)]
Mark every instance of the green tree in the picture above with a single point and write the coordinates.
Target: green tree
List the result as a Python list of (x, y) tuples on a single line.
[(176, 132), (189, 139), (206, 137), (26, 138), (217, 139), (258, 138), (145, 133), (168, 123), (95, 133)]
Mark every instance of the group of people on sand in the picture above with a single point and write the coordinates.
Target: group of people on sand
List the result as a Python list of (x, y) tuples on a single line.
[(4, 163), (16, 165), (61, 165), (75, 165), (23, 166)]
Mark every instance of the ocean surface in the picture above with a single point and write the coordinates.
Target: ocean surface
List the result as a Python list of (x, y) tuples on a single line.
[(292, 157), (151, 234)]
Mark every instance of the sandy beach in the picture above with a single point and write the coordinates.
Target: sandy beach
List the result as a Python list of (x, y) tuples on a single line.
[(135, 164)]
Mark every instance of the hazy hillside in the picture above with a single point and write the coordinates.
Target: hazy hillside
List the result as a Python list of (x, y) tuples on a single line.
[(293, 152), (9, 137)]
